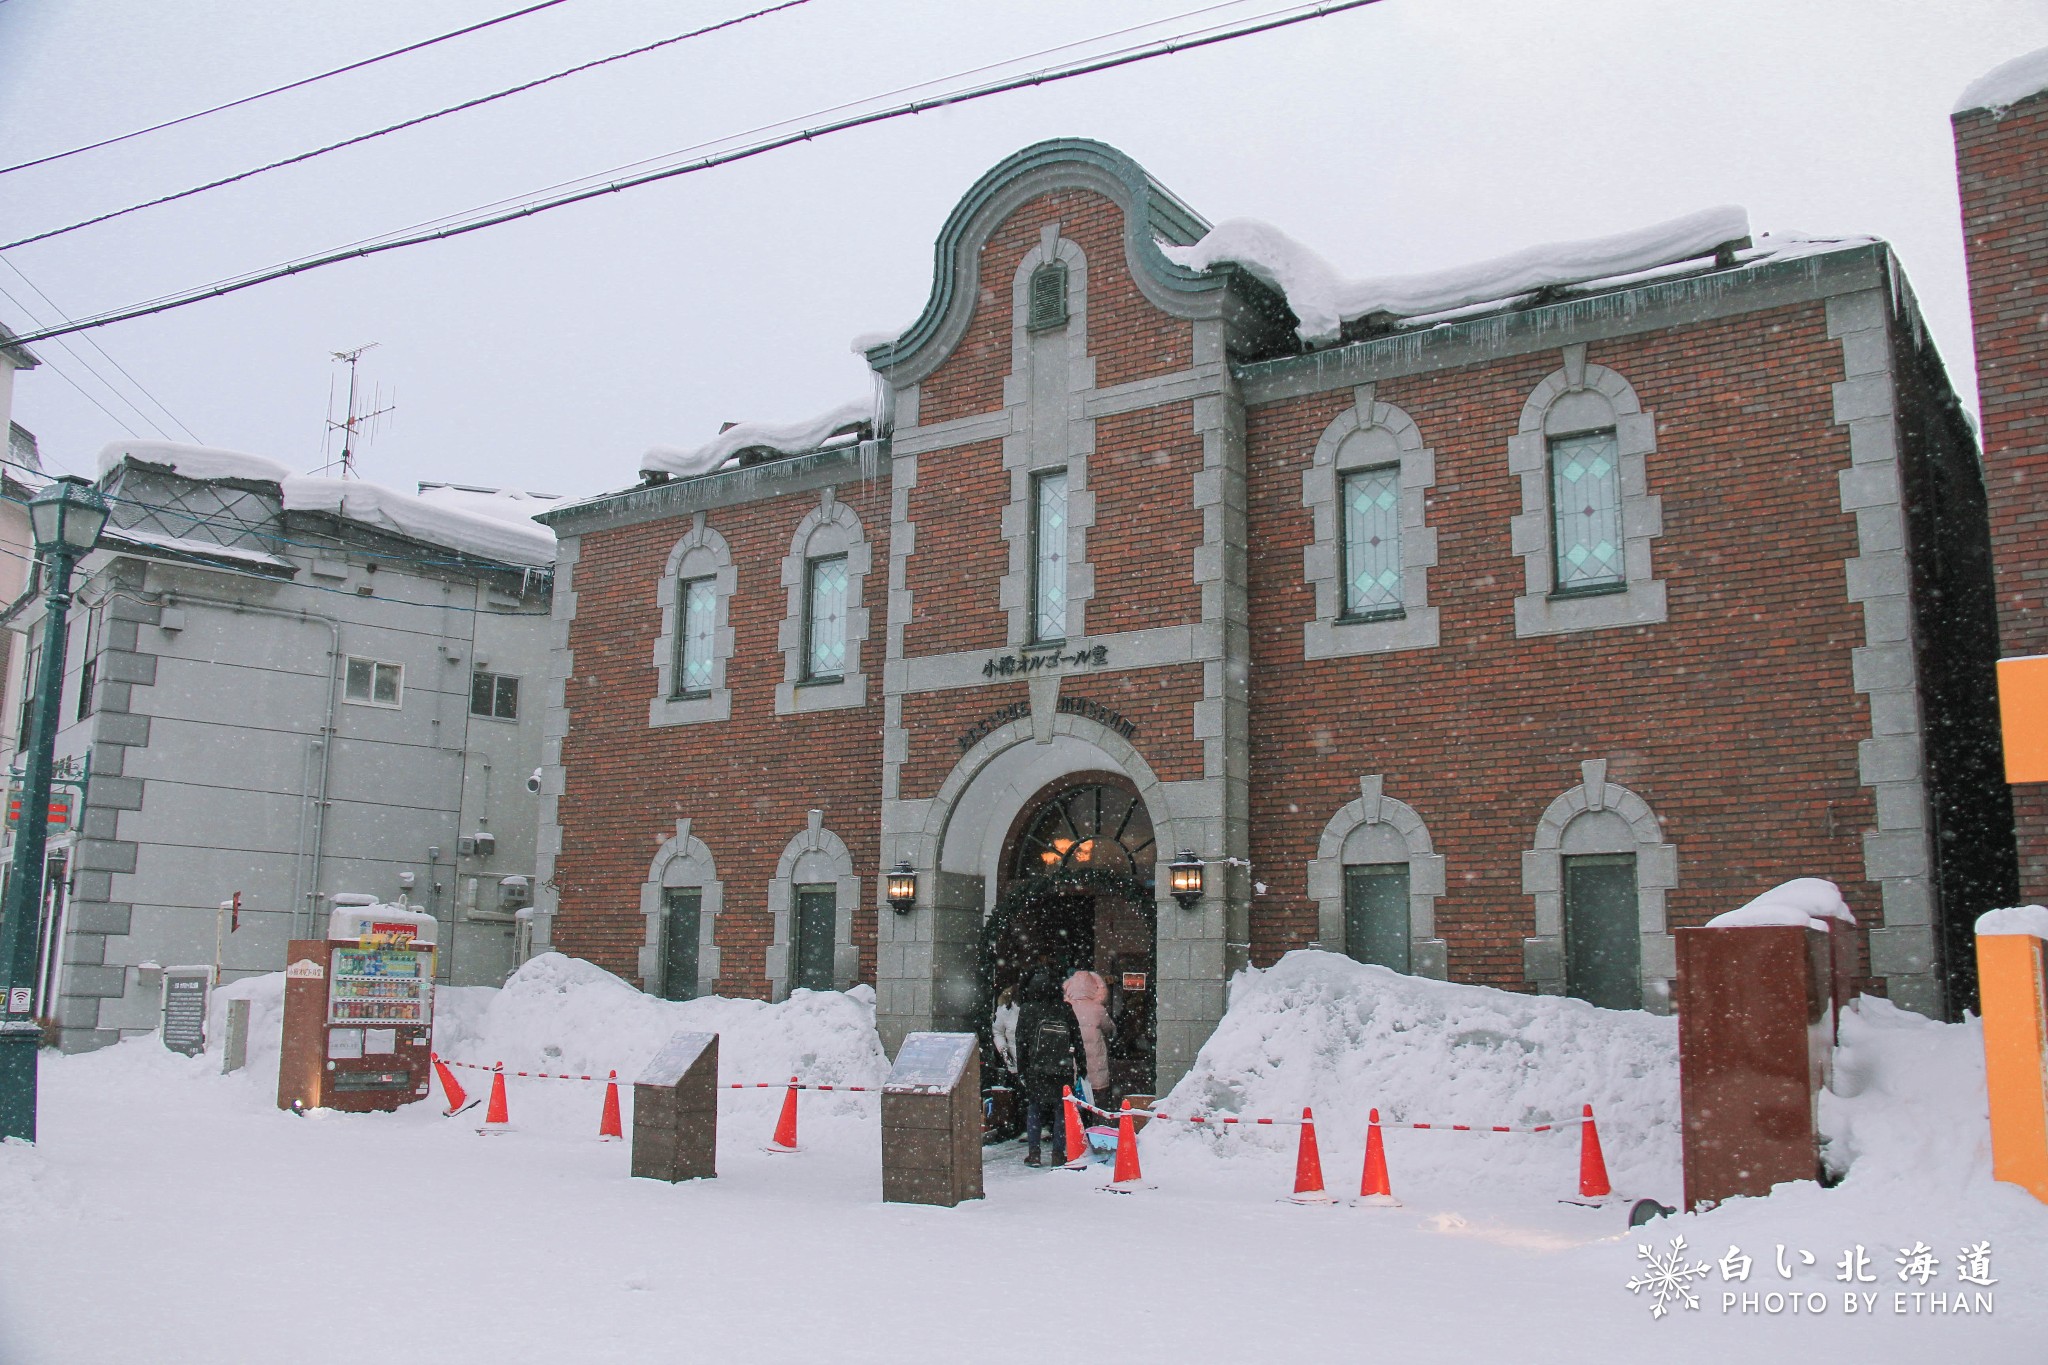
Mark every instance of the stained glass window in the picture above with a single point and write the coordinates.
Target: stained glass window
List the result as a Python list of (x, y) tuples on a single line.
[(1049, 556), (693, 650), (825, 619), (1585, 509), (1372, 541)]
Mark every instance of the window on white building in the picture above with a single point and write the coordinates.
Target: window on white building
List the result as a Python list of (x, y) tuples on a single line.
[(369, 682)]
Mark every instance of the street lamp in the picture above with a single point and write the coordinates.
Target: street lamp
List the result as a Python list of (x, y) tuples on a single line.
[(903, 889), (66, 518), (1184, 879)]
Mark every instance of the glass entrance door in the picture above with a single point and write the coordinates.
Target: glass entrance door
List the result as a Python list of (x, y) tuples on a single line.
[(1603, 941), (681, 924), (812, 937)]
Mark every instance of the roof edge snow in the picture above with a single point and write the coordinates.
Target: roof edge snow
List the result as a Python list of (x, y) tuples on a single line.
[(1324, 301), (780, 438), (2006, 84)]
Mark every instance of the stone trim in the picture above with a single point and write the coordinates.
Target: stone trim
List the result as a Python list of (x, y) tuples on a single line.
[(1897, 854), (1427, 954), (800, 865), (830, 528), (547, 896), (682, 861), (1328, 636), (1582, 397), (1656, 874), (701, 553), (1047, 367)]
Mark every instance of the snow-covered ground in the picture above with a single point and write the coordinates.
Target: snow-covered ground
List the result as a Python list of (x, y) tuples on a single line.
[(173, 1214)]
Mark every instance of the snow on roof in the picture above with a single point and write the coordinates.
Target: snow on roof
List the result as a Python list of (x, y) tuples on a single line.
[(504, 504), (2007, 84), (510, 539), (1799, 902), (784, 438), (1324, 300), (193, 462), (187, 545), (2017, 919)]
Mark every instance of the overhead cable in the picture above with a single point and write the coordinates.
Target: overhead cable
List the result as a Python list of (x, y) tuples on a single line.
[(397, 127), (279, 90), (1147, 52)]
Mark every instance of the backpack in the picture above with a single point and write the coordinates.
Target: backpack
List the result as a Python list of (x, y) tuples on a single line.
[(1050, 1052)]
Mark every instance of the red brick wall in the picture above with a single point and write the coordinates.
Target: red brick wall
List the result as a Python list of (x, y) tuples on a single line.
[(2002, 166), (747, 783), (1735, 719)]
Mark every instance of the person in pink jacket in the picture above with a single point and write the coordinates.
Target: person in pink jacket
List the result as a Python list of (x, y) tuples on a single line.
[(1088, 995)]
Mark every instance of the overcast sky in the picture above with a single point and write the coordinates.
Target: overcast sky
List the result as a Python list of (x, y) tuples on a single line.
[(548, 354)]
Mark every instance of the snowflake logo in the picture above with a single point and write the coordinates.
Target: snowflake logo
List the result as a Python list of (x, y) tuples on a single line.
[(1668, 1278)]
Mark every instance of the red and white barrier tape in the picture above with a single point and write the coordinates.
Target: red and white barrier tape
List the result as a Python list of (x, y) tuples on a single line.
[(1217, 1120), (730, 1085)]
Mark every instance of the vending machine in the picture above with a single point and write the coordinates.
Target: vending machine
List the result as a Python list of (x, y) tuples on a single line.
[(359, 1012)]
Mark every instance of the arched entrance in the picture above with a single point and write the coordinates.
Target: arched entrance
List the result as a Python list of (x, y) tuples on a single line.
[(1077, 893)]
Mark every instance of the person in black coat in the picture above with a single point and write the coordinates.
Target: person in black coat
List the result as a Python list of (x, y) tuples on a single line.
[(1046, 1048)]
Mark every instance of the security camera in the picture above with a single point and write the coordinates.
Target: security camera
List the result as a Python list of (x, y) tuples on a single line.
[(533, 782)]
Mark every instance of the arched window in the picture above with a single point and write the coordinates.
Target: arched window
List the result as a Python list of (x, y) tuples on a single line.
[(825, 575), (1582, 452), (1598, 873), (1367, 488), (811, 900), (696, 638), (1375, 880), (681, 900)]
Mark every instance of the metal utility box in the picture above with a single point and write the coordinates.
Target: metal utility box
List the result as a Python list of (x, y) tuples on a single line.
[(931, 1121), (675, 1111), (1756, 1032), (359, 1012)]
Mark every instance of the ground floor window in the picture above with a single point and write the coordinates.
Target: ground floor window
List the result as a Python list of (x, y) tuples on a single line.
[(1603, 941), (682, 910), (813, 936), (1376, 914)]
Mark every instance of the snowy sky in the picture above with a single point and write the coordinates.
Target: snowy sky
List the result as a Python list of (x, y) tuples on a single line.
[(1407, 136)]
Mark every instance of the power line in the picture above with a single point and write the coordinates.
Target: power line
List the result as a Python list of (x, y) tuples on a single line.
[(279, 90), (397, 127), (1165, 48), (140, 387)]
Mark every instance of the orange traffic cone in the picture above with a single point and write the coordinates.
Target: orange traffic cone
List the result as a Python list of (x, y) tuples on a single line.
[(1592, 1164), (1308, 1165), (1373, 1189), (495, 1116), (1127, 1176), (450, 1087), (1077, 1140), (608, 1124), (785, 1127)]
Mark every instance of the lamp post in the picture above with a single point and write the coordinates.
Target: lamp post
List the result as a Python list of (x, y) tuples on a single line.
[(66, 519)]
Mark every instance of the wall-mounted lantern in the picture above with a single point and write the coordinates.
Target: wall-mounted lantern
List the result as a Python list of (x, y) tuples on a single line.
[(903, 889), (1184, 875)]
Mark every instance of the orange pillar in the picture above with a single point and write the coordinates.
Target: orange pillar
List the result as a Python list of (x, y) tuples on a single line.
[(2010, 983)]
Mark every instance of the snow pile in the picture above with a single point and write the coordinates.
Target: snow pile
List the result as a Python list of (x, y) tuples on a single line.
[(1321, 1030), (1908, 1111), (493, 526), (1324, 301), (1798, 903), (193, 462), (2017, 919), (436, 522), (786, 438), (2007, 84)]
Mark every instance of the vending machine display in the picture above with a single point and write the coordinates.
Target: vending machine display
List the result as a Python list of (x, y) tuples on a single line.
[(359, 1011)]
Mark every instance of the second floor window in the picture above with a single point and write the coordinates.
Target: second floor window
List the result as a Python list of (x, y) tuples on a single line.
[(494, 695), (825, 619), (697, 600), (1372, 542), (371, 683), (1585, 512), (1049, 556)]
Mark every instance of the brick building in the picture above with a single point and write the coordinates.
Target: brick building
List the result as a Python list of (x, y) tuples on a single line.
[(1490, 636), (2001, 133)]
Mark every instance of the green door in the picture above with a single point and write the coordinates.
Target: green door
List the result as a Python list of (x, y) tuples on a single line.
[(813, 935), (681, 915), (1603, 941), (1376, 914)]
